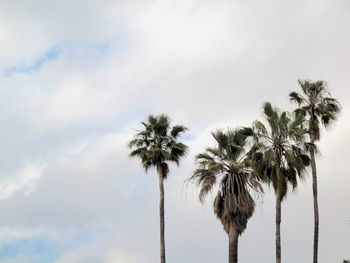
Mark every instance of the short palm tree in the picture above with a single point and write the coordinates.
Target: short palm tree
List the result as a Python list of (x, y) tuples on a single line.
[(318, 107), (278, 156), (225, 165), (157, 145)]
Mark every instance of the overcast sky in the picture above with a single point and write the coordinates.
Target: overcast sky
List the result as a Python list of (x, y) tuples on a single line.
[(77, 77)]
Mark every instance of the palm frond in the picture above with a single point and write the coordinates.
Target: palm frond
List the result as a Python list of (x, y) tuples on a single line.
[(295, 97), (177, 130), (260, 127)]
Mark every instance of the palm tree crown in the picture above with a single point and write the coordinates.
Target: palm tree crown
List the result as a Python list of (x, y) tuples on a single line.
[(233, 204), (157, 144), (278, 154), (316, 102)]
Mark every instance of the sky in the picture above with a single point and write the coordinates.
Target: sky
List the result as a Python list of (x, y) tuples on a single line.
[(76, 79)]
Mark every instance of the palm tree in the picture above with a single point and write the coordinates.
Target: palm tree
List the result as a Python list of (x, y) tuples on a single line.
[(233, 204), (157, 145), (278, 156), (317, 106)]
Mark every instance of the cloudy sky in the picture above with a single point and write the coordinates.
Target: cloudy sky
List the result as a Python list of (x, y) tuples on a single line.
[(77, 77)]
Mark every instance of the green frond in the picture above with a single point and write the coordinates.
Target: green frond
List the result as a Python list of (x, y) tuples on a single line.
[(214, 151), (268, 109), (308, 146), (295, 97), (204, 156), (234, 151), (177, 130), (260, 127), (304, 84), (221, 138), (272, 116), (291, 176), (152, 120), (246, 131), (300, 113), (135, 142), (138, 152)]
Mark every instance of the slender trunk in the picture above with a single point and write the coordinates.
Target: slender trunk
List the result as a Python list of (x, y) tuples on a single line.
[(278, 209), (161, 215), (233, 245), (316, 212), (278, 227)]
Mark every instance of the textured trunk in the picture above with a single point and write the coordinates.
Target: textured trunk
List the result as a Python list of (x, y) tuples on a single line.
[(278, 227), (316, 213), (161, 215), (233, 246)]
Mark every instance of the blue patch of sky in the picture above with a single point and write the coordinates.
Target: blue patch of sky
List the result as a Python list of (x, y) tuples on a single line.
[(102, 49), (27, 67), (35, 65), (45, 250), (188, 137), (88, 236), (42, 249)]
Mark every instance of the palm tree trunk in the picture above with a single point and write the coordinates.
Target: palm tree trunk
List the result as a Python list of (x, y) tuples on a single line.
[(161, 215), (316, 212), (278, 227), (233, 245)]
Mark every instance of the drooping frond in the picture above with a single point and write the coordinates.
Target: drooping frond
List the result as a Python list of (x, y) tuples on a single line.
[(233, 204), (206, 179), (295, 97), (225, 165)]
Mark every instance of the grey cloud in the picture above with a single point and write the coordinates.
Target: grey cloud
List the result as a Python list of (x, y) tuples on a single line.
[(207, 65)]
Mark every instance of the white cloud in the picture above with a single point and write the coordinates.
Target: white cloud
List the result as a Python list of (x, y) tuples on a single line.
[(25, 181)]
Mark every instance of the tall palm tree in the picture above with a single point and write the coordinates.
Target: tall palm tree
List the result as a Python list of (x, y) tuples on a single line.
[(278, 156), (233, 204), (317, 106), (157, 145)]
